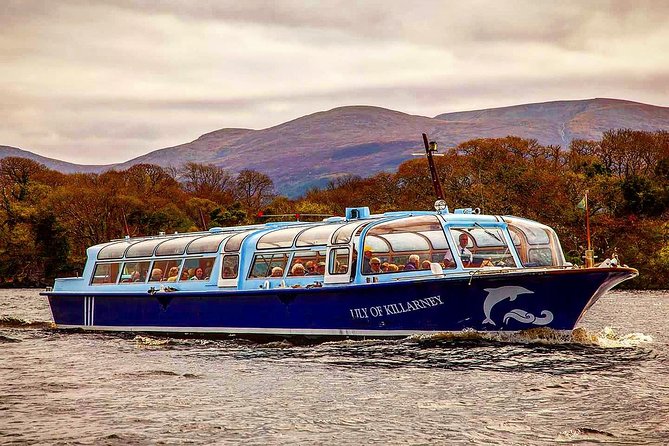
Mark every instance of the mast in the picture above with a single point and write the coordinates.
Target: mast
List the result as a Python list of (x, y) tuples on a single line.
[(430, 148), (589, 253)]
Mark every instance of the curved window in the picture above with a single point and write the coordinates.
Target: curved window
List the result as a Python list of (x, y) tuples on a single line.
[(345, 233), (479, 247), (207, 244), (405, 244), (235, 242), (281, 238), (113, 251), (143, 249), (318, 235), (174, 247)]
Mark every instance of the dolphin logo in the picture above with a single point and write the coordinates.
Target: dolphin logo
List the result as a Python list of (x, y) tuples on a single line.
[(496, 295)]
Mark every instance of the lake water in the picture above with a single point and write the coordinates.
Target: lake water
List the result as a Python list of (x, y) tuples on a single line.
[(608, 383)]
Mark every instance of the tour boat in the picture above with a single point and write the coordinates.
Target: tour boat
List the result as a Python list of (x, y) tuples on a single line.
[(358, 275)]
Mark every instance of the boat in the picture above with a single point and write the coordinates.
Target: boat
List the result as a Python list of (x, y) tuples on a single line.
[(358, 275)]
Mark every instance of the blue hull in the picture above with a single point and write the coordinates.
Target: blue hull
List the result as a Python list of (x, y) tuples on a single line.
[(487, 302)]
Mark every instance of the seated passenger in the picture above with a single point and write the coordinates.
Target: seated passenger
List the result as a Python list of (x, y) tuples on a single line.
[(172, 275), (384, 267), (156, 275), (375, 266), (367, 256), (297, 270), (277, 271), (425, 264), (199, 274), (392, 268), (320, 268), (412, 264), (228, 273), (310, 267), (447, 261)]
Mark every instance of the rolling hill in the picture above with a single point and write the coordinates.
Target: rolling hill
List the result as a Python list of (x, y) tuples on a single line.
[(364, 140)]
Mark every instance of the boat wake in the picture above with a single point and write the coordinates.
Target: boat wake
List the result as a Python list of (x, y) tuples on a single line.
[(606, 338), (14, 322)]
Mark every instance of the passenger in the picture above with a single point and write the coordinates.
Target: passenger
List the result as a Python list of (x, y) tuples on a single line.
[(375, 265), (465, 254), (310, 267), (156, 275), (384, 267), (228, 273), (366, 267), (207, 273), (199, 274), (342, 269), (400, 267), (297, 270), (447, 261), (412, 264), (277, 271), (191, 273), (425, 264), (320, 268), (173, 274), (392, 268), (184, 275)]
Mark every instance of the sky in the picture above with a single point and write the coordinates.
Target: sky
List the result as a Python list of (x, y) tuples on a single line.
[(96, 82)]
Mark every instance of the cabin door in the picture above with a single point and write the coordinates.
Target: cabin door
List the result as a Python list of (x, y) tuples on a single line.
[(338, 268)]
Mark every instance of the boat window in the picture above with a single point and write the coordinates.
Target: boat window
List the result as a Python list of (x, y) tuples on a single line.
[(165, 271), (113, 251), (406, 244), (540, 257), (281, 238), (339, 261), (318, 235), (264, 264), (105, 273), (376, 244), (174, 247), (235, 242), (134, 272), (307, 263), (482, 247), (144, 248), (197, 269), (207, 244), (345, 233), (230, 267)]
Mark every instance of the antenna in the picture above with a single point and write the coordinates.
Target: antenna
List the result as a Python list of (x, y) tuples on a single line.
[(430, 152)]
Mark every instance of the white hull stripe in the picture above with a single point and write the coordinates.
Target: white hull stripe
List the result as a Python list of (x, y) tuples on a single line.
[(274, 331), (89, 310)]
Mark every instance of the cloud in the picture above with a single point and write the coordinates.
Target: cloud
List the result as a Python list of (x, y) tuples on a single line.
[(106, 81)]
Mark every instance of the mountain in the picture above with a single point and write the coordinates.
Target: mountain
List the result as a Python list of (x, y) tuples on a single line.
[(61, 166), (558, 122), (364, 140)]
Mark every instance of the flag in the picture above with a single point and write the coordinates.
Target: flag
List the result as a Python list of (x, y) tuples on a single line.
[(581, 204)]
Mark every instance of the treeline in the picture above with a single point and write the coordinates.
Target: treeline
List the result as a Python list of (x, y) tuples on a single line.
[(48, 219)]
